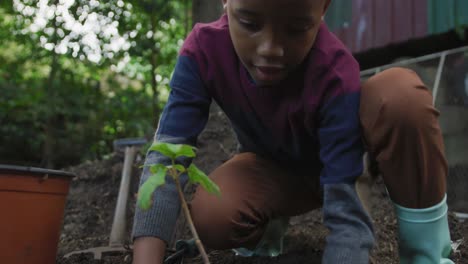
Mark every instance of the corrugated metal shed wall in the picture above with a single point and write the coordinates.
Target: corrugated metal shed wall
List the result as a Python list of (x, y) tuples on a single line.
[(446, 15), (366, 24)]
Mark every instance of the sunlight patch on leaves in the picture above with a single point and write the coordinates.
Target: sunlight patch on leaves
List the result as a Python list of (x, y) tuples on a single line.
[(173, 151)]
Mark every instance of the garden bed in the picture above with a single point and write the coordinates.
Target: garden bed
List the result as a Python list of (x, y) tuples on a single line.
[(91, 203)]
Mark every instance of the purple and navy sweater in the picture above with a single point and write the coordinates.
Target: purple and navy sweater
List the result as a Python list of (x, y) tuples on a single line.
[(310, 121)]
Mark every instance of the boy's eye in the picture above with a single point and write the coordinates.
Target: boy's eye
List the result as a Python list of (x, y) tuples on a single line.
[(299, 28), (249, 25)]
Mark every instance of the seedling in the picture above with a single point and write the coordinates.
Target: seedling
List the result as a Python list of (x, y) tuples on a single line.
[(158, 178)]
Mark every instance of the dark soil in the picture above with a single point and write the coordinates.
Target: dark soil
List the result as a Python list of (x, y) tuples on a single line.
[(93, 194)]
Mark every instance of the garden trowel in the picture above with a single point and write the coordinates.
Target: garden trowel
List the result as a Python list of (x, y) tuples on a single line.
[(130, 147)]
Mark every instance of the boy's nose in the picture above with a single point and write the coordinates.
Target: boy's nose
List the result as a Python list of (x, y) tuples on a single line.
[(270, 47)]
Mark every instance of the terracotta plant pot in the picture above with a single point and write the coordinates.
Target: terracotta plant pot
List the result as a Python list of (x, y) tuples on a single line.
[(32, 203)]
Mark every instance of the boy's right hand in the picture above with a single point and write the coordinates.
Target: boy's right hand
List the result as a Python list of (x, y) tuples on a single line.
[(148, 250)]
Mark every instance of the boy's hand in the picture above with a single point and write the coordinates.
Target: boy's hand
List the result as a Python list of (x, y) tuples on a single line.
[(148, 250)]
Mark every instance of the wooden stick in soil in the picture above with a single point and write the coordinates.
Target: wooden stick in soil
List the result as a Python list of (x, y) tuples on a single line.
[(190, 222)]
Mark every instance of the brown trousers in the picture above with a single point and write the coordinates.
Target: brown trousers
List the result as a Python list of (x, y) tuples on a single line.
[(401, 133)]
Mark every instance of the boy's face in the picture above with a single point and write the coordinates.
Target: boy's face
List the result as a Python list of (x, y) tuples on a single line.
[(272, 37)]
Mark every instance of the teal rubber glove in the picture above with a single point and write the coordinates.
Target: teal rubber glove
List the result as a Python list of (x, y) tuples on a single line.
[(271, 244), (424, 234)]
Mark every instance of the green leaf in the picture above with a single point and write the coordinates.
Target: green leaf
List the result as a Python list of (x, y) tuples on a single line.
[(174, 151), (146, 191), (178, 167), (156, 168), (198, 176)]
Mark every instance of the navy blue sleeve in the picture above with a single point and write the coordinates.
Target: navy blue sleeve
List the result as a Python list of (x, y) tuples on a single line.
[(351, 236), (183, 118), (186, 112), (341, 147)]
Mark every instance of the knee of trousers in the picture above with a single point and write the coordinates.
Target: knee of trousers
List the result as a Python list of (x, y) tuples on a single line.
[(398, 98), (223, 226)]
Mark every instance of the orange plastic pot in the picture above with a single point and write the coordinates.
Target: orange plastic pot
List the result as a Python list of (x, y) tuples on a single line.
[(32, 203)]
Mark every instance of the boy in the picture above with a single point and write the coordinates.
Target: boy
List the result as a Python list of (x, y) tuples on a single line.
[(292, 92)]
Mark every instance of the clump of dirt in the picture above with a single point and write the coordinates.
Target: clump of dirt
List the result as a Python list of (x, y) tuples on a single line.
[(93, 194)]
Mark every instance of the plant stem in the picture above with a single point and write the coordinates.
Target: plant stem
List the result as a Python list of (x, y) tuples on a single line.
[(190, 222)]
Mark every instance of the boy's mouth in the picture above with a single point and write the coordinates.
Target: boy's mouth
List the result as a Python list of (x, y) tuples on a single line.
[(269, 73)]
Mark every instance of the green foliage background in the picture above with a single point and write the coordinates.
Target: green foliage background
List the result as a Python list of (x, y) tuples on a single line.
[(60, 106)]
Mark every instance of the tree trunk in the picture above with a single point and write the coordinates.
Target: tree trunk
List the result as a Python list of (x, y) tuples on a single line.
[(49, 126), (154, 65), (188, 17), (206, 10), (154, 86)]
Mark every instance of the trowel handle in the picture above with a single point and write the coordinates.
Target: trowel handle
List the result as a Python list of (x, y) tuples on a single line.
[(117, 236)]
